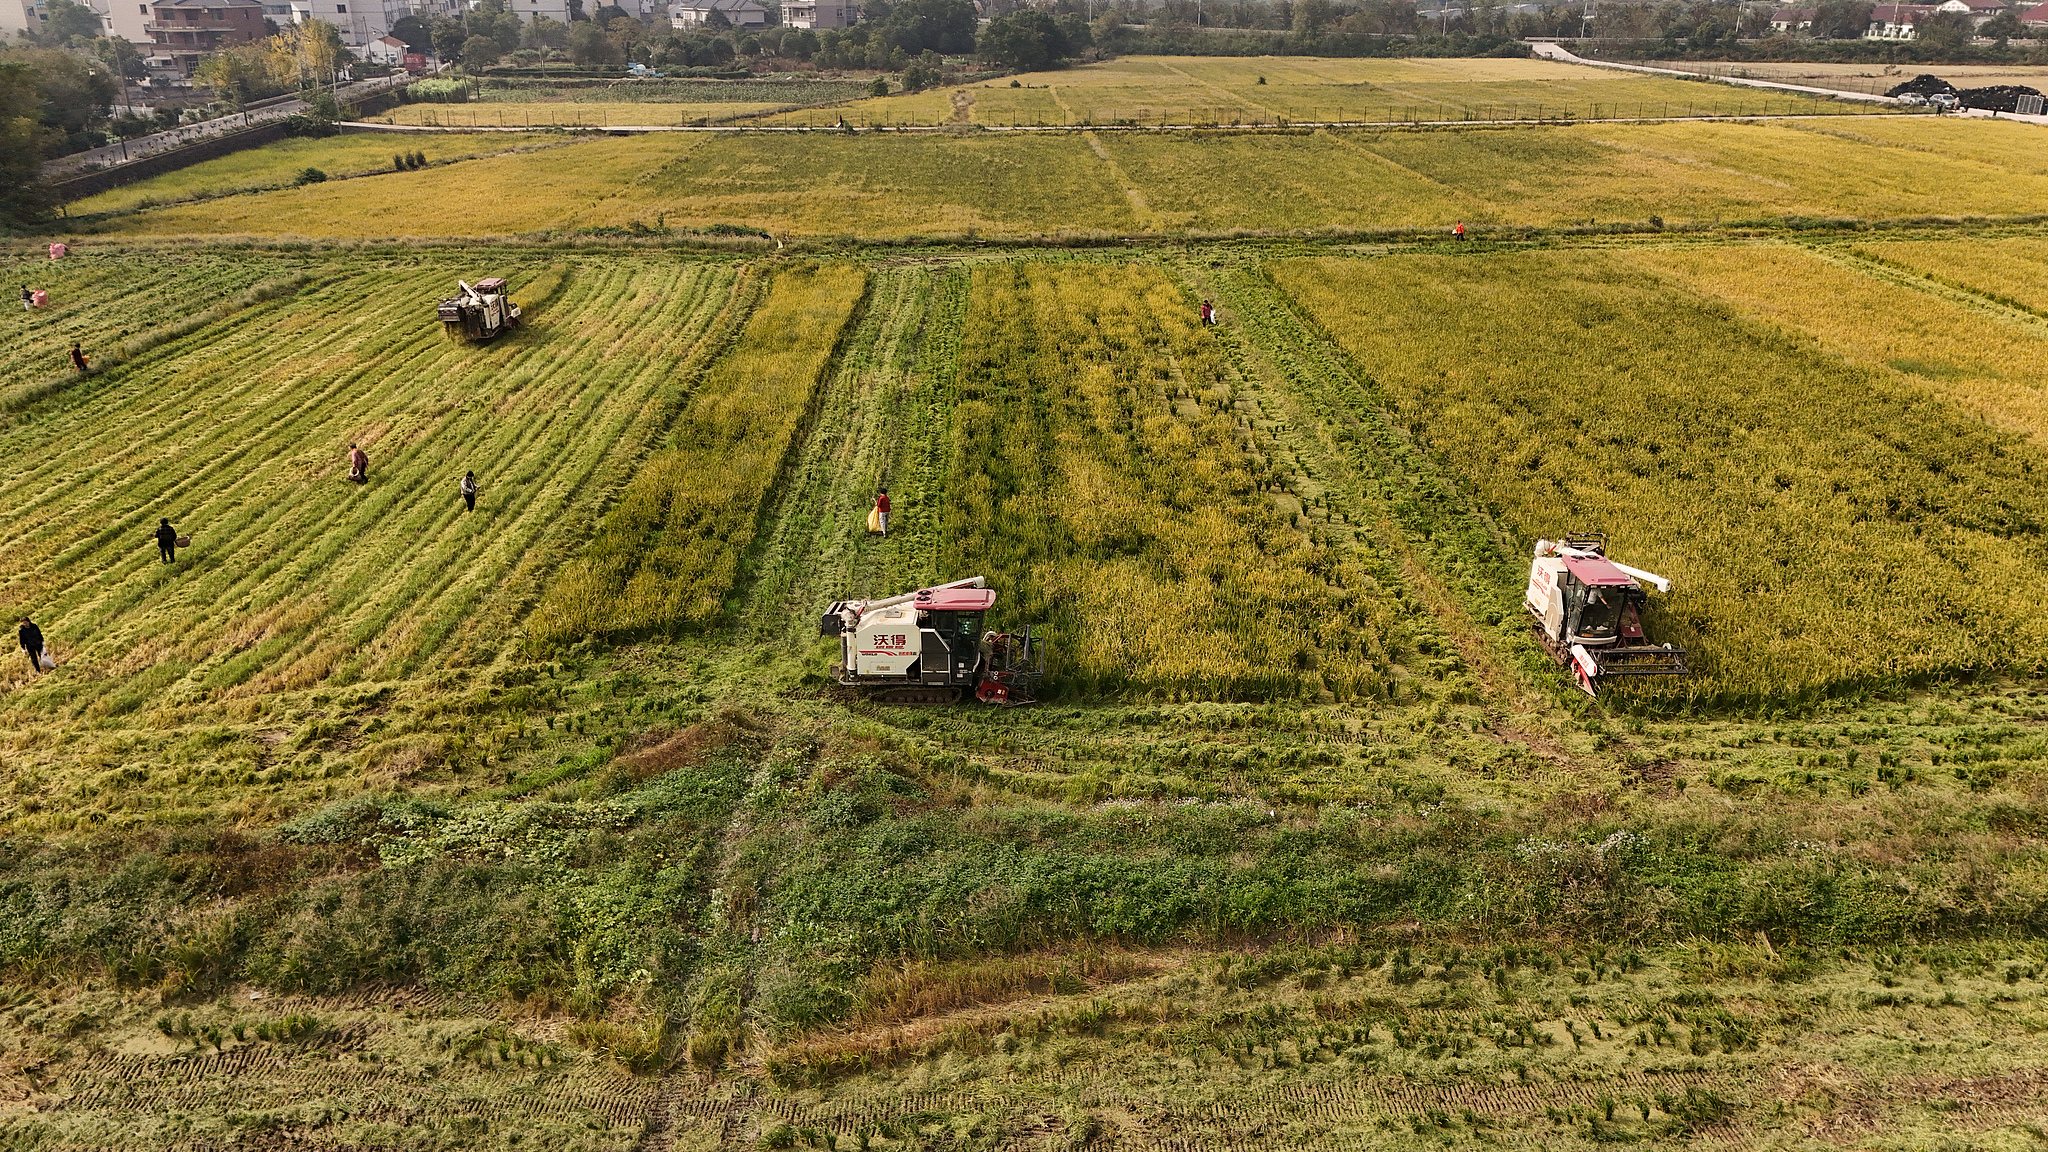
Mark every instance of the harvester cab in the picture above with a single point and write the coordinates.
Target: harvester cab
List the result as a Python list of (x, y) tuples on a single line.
[(930, 647), (1588, 612), (480, 312)]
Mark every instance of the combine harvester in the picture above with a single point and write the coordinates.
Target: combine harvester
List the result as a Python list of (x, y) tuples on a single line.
[(1588, 612), (480, 312), (927, 647)]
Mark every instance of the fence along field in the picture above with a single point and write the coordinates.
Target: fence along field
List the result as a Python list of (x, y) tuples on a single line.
[(667, 554), (295, 578), (1101, 480), (1826, 528)]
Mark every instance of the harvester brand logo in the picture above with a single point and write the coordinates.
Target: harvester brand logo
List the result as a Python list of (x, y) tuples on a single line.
[(896, 641)]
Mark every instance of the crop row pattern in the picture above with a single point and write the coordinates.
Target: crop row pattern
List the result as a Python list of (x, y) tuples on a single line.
[(1099, 478)]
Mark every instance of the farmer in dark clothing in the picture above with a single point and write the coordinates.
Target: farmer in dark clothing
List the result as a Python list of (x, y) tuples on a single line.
[(358, 464), (469, 490), (78, 359), (166, 541), (32, 643)]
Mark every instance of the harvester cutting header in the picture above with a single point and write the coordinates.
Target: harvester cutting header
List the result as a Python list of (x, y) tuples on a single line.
[(928, 646), (1588, 612)]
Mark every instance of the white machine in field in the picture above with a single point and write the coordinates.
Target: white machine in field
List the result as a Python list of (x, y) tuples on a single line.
[(928, 646), (1588, 612)]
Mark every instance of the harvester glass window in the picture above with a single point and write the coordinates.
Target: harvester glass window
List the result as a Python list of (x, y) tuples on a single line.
[(1600, 614), (969, 627)]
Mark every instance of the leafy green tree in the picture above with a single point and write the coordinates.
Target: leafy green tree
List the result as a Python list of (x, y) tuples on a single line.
[(449, 37), (1945, 31), (1027, 40), (545, 32), (918, 26), (1841, 19), (414, 31), (588, 44), (2002, 27), (24, 198), (479, 52), (76, 93), (70, 21)]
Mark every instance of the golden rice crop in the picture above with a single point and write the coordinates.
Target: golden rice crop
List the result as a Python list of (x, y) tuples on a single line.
[(1826, 525), (1098, 478), (1995, 366), (666, 556)]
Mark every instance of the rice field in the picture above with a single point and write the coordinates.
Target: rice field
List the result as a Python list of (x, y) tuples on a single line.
[(278, 166), (993, 185), (1277, 90), (1818, 516), (374, 821), (1101, 476), (578, 114)]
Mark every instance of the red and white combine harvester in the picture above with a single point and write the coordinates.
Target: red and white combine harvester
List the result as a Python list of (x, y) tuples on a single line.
[(928, 646), (1588, 612)]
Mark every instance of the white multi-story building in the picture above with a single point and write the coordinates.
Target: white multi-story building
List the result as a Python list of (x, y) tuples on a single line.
[(737, 13), (18, 16), (821, 14)]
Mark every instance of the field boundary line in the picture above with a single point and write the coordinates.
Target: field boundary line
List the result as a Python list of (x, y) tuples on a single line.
[(1846, 254)]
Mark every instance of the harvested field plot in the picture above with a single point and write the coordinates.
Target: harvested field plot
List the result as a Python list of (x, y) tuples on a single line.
[(567, 114), (1099, 472), (295, 577), (114, 304), (923, 185), (893, 186), (1819, 519), (495, 196), (278, 166), (1195, 90)]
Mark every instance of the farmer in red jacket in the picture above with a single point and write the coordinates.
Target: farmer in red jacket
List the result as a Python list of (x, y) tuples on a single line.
[(882, 507)]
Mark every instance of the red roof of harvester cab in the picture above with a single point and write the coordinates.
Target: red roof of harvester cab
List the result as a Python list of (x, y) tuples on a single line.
[(956, 599), (1594, 570)]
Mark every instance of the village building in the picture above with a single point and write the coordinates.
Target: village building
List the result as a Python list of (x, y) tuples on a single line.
[(821, 14), (182, 32), (735, 13)]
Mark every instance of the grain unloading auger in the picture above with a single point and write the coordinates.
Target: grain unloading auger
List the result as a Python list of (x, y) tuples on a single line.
[(928, 647), (1588, 612)]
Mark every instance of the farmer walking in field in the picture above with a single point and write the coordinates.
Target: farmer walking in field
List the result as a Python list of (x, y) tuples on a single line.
[(1459, 231), (78, 358), (469, 490), (28, 299), (882, 511), (166, 541), (358, 464), (1208, 313), (32, 643)]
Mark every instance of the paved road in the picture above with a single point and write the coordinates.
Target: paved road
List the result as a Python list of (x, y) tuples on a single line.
[(1550, 51), (116, 154)]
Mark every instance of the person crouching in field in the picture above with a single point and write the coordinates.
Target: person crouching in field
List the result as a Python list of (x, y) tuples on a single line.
[(358, 465), (32, 643), (469, 491)]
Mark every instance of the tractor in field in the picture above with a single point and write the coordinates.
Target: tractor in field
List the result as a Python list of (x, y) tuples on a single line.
[(1587, 611), (928, 647), (481, 312)]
